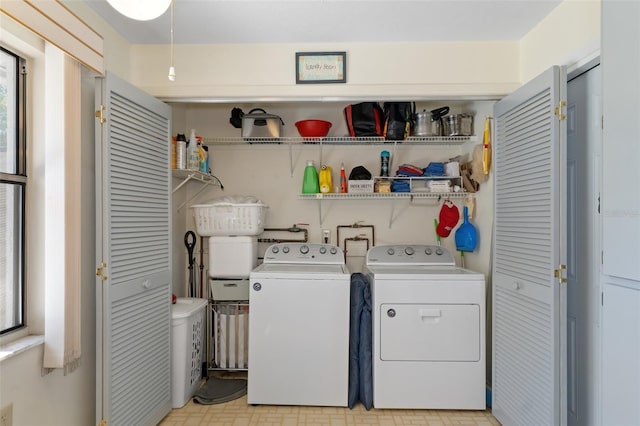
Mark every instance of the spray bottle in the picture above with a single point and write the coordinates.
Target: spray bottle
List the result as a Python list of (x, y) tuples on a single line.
[(343, 180)]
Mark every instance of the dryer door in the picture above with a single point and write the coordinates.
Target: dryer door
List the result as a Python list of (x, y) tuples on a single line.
[(435, 332)]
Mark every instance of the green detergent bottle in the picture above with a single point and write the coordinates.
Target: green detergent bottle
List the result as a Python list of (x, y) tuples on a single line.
[(310, 183)]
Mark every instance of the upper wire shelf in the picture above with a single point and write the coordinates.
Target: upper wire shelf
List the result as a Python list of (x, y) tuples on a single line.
[(342, 140)]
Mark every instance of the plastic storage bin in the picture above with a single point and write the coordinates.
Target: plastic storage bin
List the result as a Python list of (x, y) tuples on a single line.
[(187, 348), (232, 257)]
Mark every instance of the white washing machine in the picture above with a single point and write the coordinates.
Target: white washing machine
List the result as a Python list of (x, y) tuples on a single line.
[(428, 329), (299, 327)]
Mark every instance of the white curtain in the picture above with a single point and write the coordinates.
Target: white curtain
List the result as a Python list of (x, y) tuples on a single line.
[(62, 335)]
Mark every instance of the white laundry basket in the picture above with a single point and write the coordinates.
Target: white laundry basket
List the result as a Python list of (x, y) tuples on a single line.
[(187, 348)]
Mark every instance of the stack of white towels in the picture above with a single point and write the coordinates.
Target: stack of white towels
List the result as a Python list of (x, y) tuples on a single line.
[(439, 185)]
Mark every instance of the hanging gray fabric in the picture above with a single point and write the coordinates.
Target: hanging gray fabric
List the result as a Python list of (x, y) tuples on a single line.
[(360, 361)]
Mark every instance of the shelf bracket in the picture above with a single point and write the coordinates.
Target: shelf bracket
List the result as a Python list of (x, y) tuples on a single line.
[(320, 210), (181, 184), (291, 159), (393, 209), (391, 218), (194, 196), (187, 176)]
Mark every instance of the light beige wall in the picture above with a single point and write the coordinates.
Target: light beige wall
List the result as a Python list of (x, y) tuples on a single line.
[(53, 399), (569, 36), (271, 174), (411, 70)]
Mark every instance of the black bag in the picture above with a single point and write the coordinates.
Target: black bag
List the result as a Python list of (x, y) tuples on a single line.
[(398, 120), (360, 173), (364, 119)]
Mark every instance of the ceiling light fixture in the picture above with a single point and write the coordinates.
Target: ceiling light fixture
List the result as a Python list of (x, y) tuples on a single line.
[(140, 10), (172, 70)]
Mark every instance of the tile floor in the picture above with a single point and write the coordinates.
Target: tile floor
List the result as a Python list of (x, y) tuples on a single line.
[(239, 413)]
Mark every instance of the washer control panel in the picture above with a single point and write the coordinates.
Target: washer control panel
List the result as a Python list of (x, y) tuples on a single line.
[(304, 253), (410, 254)]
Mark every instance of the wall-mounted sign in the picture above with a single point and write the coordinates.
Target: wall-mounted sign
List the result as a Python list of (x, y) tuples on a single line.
[(321, 67)]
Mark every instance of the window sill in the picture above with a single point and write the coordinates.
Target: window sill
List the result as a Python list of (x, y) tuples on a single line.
[(17, 346)]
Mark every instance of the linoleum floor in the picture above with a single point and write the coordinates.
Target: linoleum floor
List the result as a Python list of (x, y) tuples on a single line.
[(239, 413)]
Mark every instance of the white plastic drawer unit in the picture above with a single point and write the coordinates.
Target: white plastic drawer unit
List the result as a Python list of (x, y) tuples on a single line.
[(430, 332)]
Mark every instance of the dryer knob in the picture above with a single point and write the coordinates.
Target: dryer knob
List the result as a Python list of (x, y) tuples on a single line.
[(428, 251), (391, 313), (304, 249), (409, 251), (391, 252), (439, 251), (285, 249), (333, 250), (257, 286), (323, 250), (275, 249)]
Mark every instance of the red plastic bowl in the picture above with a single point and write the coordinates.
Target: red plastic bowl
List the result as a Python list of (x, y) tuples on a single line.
[(313, 128)]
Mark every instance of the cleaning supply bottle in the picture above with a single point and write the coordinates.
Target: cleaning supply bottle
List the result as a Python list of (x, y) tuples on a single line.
[(310, 184), (181, 151), (326, 180), (343, 180), (193, 154), (205, 168), (384, 164), (204, 160)]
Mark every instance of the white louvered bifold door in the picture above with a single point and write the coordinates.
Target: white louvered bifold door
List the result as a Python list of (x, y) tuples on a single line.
[(529, 304), (133, 232)]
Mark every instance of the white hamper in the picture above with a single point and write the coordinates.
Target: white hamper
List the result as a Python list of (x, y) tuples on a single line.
[(187, 347)]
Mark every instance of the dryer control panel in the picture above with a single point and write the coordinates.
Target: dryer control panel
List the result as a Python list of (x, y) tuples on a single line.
[(410, 254), (307, 253)]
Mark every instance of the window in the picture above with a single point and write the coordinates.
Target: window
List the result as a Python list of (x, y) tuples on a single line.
[(12, 191)]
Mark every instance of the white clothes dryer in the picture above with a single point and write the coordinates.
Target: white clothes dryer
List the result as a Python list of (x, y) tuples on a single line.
[(428, 329), (299, 327)]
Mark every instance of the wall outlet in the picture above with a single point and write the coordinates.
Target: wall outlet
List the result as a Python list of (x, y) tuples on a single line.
[(6, 415), (326, 236)]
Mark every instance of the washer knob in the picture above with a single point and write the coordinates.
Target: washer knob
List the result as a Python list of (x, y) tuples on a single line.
[(323, 250), (285, 249), (304, 249), (333, 250), (428, 251), (409, 251), (275, 249), (257, 286), (439, 251), (391, 252), (391, 313)]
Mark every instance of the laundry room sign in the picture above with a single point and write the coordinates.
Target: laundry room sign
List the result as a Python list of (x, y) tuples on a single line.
[(321, 67)]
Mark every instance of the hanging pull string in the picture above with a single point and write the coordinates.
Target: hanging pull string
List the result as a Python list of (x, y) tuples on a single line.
[(172, 70)]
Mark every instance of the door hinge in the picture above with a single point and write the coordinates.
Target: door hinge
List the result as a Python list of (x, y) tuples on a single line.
[(103, 422), (558, 274), (101, 115), (559, 110), (101, 271)]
